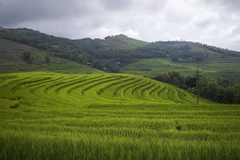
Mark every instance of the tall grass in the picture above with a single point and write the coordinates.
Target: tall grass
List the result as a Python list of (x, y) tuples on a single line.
[(66, 146), (41, 119)]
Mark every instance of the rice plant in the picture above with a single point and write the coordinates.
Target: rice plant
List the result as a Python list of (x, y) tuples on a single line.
[(110, 116)]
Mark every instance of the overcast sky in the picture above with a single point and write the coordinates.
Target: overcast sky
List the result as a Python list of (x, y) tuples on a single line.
[(213, 22)]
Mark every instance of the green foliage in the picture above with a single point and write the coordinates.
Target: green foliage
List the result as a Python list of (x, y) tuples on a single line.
[(47, 59), (26, 56), (221, 92), (172, 78)]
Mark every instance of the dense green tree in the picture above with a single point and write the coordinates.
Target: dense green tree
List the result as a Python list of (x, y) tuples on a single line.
[(26, 56), (209, 89), (47, 59)]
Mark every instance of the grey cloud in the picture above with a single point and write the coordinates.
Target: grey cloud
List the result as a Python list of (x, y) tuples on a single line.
[(229, 5), (15, 11), (133, 5), (203, 24), (236, 31), (235, 45), (150, 6), (206, 21), (116, 5), (177, 16)]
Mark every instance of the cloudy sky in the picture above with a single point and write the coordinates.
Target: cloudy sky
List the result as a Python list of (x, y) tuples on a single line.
[(213, 22)]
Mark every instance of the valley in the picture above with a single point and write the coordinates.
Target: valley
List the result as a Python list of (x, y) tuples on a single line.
[(97, 99)]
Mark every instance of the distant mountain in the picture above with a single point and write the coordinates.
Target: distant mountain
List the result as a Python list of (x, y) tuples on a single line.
[(122, 42), (114, 52)]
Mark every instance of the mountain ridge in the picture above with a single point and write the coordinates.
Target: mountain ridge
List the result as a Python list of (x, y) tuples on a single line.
[(113, 53), (113, 37)]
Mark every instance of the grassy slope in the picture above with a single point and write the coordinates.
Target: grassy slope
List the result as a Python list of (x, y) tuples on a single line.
[(229, 69), (68, 89), (217, 65), (123, 42), (51, 116), (11, 60)]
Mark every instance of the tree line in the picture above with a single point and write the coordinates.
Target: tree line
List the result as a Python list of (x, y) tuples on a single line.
[(221, 91)]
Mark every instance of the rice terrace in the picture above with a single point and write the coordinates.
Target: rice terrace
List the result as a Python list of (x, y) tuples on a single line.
[(105, 99), (46, 115)]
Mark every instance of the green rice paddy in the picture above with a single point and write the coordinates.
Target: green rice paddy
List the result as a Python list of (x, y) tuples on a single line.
[(46, 115), (228, 69)]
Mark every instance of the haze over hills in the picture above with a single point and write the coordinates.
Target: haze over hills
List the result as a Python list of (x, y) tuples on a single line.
[(118, 54)]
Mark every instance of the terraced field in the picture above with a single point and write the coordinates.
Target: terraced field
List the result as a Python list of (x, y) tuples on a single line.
[(228, 69), (59, 89), (47, 115)]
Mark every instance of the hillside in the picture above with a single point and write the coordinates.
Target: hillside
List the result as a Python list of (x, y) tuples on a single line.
[(123, 42), (228, 69), (123, 54), (85, 89), (11, 60), (84, 113), (186, 57)]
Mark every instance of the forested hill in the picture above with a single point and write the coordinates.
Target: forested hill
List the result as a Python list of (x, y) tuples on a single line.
[(113, 52)]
